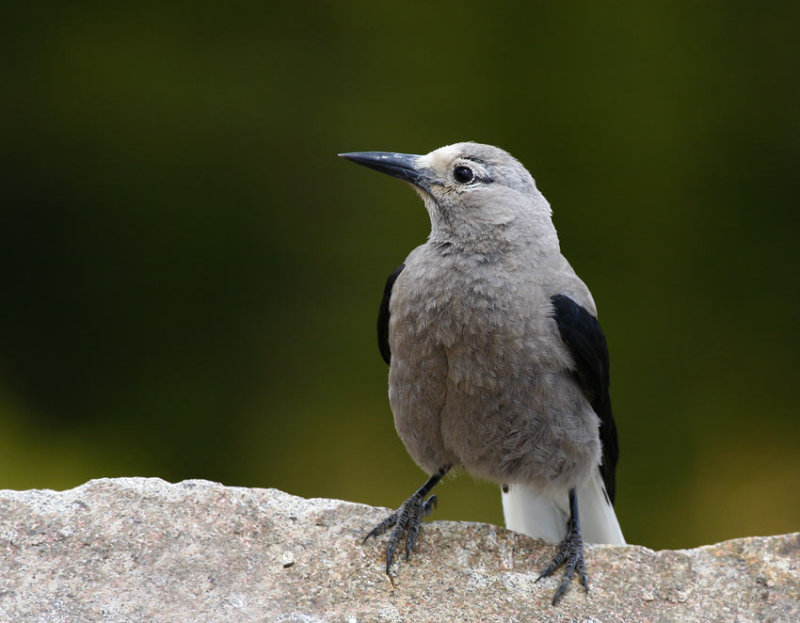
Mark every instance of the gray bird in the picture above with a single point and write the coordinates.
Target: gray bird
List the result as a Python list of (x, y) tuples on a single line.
[(497, 363)]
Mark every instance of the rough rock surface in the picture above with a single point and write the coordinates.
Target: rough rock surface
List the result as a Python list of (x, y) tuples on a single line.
[(141, 549)]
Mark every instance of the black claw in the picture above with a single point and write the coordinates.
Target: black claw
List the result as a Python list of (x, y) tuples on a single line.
[(429, 505), (408, 519), (570, 554)]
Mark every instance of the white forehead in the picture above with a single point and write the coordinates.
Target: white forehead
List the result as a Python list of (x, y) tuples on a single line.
[(441, 158), (489, 160)]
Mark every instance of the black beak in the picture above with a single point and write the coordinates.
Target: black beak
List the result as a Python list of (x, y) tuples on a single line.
[(402, 166)]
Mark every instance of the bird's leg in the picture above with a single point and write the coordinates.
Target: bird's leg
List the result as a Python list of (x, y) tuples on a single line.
[(570, 553), (408, 518)]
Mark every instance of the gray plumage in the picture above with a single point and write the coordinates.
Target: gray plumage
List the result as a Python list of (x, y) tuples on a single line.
[(480, 376)]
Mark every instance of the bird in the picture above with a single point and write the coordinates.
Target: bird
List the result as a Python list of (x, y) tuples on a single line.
[(498, 365)]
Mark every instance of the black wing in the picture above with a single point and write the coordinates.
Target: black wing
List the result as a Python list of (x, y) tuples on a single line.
[(383, 316), (583, 335)]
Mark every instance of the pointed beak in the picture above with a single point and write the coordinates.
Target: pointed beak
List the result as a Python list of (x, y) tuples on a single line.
[(402, 166)]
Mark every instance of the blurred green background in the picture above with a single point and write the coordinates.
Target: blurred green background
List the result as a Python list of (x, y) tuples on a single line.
[(190, 277)]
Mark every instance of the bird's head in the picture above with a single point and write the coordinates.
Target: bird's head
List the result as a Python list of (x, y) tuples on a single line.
[(473, 192)]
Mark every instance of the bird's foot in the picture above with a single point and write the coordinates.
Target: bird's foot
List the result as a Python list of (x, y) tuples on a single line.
[(570, 555), (408, 519)]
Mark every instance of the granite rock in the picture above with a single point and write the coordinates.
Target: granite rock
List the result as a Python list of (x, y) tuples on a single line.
[(141, 549)]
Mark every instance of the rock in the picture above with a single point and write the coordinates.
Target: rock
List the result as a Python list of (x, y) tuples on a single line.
[(141, 549)]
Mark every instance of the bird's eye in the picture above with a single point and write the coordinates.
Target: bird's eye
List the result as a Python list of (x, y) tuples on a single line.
[(463, 175)]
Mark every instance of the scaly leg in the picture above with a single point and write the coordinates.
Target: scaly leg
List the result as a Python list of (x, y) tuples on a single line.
[(570, 553)]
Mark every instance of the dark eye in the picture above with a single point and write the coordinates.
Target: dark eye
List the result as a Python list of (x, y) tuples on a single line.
[(463, 175)]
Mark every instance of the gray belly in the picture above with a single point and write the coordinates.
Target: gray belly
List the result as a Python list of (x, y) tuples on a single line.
[(505, 407)]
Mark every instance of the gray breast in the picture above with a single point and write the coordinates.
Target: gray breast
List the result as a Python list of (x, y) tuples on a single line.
[(479, 376)]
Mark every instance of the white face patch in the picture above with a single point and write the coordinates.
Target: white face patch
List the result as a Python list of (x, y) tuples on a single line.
[(439, 160), (443, 161)]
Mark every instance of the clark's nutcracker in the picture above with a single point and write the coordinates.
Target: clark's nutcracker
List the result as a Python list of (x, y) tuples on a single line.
[(497, 363)]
